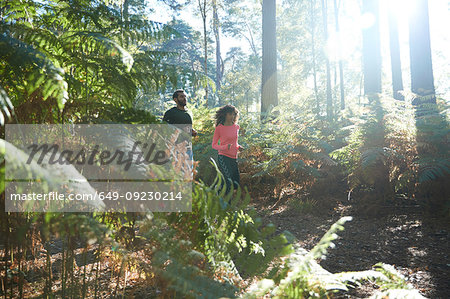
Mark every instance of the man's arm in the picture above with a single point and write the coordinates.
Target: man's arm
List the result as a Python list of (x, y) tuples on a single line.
[(166, 117)]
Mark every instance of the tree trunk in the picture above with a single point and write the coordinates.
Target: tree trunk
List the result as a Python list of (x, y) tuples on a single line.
[(422, 82), (269, 94), (396, 66), (430, 123), (219, 68), (251, 40), (313, 54), (327, 61), (339, 53), (125, 21), (202, 7), (371, 49)]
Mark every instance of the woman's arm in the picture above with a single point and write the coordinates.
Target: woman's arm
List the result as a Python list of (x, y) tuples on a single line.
[(215, 141)]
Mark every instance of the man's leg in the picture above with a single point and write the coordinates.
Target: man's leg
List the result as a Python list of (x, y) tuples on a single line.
[(190, 155)]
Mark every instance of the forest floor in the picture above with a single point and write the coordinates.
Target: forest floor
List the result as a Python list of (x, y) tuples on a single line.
[(402, 235)]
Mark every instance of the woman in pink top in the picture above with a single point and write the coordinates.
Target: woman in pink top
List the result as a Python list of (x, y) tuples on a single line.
[(225, 140)]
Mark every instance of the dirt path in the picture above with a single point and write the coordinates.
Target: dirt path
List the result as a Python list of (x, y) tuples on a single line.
[(417, 245)]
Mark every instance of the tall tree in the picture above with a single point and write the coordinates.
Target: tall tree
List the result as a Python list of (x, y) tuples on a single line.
[(371, 48), (219, 64), (203, 7), (269, 94), (313, 52), (327, 60), (188, 43), (243, 21), (339, 53), (396, 65), (422, 82)]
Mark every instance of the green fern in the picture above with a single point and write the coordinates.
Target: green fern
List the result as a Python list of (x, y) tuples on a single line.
[(23, 63), (87, 54), (433, 168), (62, 178), (6, 107), (228, 231), (176, 262), (302, 277)]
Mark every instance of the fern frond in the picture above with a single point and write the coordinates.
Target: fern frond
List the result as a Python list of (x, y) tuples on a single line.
[(432, 168), (301, 274), (175, 261), (40, 38), (6, 107), (49, 177), (356, 277), (95, 42), (26, 64), (320, 250), (229, 233), (370, 157), (138, 28)]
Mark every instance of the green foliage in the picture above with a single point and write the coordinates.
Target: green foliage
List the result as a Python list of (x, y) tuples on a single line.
[(369, 167), (320, 250), (173, 259), (25, 69), (17, 160), (348, 155), (65, 226), (80, 55), (306, 206), (6, 107), (295, 145), (203, 151), (396, 147), (393, 284), (50, 176), (228, 231), (433, 168), (186, 47), (395, 279), (432, 141), (89, 61), (178, 263), (240, 85), (112, 113), (300, 276)]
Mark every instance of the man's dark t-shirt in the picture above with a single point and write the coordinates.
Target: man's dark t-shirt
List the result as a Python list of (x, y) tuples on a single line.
[(176, 116)]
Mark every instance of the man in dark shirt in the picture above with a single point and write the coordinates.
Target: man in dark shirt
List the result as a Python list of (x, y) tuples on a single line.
[(178, 114)]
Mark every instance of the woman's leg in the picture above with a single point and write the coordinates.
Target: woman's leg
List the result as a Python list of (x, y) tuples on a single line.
[(235, 177), (226, 168)]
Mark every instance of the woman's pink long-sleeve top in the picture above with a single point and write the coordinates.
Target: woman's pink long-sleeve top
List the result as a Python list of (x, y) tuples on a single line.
[(226, 135)]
